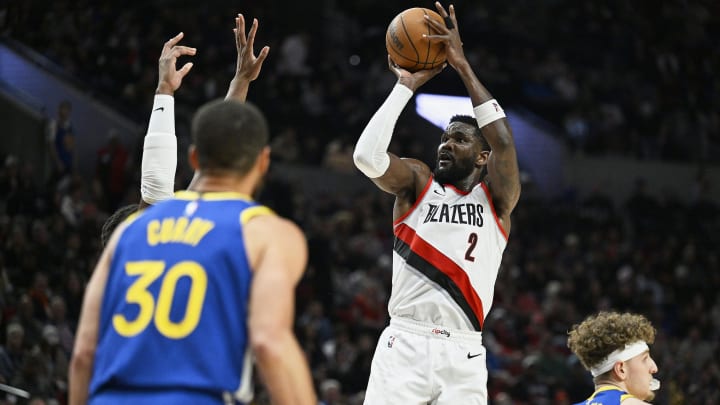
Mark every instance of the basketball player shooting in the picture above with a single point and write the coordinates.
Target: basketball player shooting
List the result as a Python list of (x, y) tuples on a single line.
[(451, 227)]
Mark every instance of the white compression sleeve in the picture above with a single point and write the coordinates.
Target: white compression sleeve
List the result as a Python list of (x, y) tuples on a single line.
[(370, 154), (159, 157)]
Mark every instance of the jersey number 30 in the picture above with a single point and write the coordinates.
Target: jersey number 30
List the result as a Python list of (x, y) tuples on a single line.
[(158, 311)]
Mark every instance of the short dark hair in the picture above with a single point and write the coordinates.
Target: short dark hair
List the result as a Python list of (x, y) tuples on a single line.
[(466, 119), (229, 135), (114, 220)]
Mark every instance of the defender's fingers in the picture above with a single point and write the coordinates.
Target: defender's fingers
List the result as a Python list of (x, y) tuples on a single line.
[(183, 50), (240, 33), (263, 54), (174, 40), (251, 34), (185, 69)]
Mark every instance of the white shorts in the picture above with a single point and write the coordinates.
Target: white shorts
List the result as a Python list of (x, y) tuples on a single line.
[(420, 364)]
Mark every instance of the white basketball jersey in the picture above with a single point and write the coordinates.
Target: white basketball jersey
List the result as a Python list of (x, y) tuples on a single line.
[(447, 253)]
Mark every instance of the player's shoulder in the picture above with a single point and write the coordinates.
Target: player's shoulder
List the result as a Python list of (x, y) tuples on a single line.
[(273, 227)]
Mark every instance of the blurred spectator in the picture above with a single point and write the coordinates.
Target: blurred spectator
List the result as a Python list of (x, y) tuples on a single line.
[(111, 169), (61, 136)]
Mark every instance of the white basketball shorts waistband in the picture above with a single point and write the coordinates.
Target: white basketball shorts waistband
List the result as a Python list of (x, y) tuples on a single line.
[(436, 331)]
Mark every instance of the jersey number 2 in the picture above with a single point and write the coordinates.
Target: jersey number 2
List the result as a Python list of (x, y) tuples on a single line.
[(159, 310), (472, 240)]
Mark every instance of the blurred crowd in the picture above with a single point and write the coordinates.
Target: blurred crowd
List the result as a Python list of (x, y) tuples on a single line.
[(628, 78), (615, 77)]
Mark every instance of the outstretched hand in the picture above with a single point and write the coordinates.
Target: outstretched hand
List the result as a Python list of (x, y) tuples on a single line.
[(448, 33), (170, 78), (248, 65), (413, 80)]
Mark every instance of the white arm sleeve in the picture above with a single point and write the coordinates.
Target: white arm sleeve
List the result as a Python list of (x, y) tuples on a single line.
[(159, 157), (370, 154)]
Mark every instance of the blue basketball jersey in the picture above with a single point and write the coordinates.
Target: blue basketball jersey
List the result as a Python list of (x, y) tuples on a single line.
[(174, 314), (606, 396)]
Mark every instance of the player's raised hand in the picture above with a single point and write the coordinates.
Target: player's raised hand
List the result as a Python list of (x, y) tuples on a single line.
[(248, 65), (413, 80), (448, 33), (170, 77)]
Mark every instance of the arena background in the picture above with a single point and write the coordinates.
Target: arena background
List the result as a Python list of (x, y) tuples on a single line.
[(615, 106)]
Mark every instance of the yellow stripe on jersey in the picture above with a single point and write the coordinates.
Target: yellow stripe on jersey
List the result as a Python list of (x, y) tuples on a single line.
[(253, 212), (210, 196), (609, 388), (601, 389), (132, 217)]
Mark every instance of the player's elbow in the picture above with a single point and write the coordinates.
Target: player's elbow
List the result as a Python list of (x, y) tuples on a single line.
[(371, 166), (82, 359), (360, 159), (268, 344)]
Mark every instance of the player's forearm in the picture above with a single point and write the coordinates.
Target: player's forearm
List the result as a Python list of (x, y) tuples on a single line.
[(238, 89), (284, 369), (159, 157), (370, 155), (80, 373), (477, 92), (488, 112)]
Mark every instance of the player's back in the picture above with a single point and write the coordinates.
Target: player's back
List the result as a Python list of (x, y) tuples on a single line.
[(174, 314), (606, 396)]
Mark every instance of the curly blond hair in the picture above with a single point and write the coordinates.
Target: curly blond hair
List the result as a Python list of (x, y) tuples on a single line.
[(599, 335)]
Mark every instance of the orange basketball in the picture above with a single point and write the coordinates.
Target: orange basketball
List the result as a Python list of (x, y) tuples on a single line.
[(405, 43)]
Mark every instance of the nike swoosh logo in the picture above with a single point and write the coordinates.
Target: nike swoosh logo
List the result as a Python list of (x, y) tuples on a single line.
[(472, 356), (160, 108), (438, 193)]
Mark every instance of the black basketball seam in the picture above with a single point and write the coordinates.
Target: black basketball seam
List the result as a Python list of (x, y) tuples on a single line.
[(410, 41)]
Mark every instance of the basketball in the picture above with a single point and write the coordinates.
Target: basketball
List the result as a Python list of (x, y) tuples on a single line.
[(405, 43)]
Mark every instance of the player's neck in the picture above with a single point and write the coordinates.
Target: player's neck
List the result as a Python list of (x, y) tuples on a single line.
[(614, 384), (468, 183), (208, 183)]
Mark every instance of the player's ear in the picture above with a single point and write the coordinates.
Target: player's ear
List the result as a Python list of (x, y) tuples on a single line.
[(263, 160), (193, 158), (482, 158), (619, 369)]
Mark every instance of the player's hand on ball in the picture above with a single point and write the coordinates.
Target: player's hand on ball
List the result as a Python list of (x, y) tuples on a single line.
[(170, 78), (248, 65), (413, 80), (448, 33)]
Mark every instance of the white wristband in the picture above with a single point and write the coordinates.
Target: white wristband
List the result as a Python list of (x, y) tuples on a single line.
[(488, 112)]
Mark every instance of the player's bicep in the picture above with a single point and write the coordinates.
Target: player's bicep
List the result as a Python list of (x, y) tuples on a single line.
[(403, 176)]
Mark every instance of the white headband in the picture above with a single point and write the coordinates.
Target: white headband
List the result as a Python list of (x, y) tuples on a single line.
[(631, 350)]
